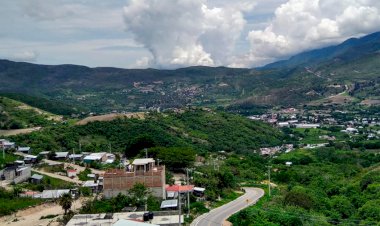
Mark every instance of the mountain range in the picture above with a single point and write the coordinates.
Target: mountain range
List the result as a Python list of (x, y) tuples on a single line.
[(342, 74)]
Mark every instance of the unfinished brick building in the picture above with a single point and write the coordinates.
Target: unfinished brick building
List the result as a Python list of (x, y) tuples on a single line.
[(142, 171)]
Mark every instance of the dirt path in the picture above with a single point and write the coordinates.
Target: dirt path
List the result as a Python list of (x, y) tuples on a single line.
[(31, 216), (12, 132), (76, 181), (78, 168)]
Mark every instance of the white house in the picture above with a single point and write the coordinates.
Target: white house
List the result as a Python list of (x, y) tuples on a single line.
[(25, 150)]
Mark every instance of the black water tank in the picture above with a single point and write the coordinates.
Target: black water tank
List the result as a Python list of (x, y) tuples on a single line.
[(146, 216), (151, 215)]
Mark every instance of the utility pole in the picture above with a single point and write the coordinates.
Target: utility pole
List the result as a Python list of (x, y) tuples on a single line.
[(188, 193), (269, 169), (146, 152), (109, 146), (73, 156), (3, 152), (179, 208)]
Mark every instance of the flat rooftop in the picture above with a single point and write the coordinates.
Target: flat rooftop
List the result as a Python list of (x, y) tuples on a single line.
[(99, 219), (144, 161)]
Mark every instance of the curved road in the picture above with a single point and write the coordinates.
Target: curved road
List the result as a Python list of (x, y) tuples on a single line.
[(217, 216)]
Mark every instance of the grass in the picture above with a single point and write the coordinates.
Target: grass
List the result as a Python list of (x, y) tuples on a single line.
[(11, 205), (311, 136), (8, 158), (48, 183), (226, 199)]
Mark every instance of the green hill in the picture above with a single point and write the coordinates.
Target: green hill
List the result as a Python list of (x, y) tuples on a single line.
[(353, 67), (17, 115), (199, 130)]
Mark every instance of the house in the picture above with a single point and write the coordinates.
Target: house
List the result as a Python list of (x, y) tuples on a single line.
[(16, 174), (283, 124), (143, 171), (288, 163), (44, 154), (30, 159), (36, 179), (71, 173), (25, 150), (95, 157), (180, 189), (170, 204), (76, 157), (19, 163), (54, 194), (94, 186), (61, 155), (197, 191), (6, 144), (308, 126)]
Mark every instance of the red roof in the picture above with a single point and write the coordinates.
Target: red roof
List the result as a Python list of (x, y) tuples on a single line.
[(180, 188), (71, 170)]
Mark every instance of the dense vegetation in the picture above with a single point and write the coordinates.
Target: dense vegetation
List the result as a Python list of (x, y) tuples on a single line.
[(198, 130), (10, 202), (305, 77), (14, 116), (55, 107), (327, 186), (138, 197)]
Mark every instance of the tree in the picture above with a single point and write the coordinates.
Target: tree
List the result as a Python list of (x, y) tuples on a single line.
[(300, 198), (139, 193), (65, 201), (176, 157)]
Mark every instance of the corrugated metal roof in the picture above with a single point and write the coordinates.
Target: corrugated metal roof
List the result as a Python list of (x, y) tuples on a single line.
[(169, 203), (143, 161)]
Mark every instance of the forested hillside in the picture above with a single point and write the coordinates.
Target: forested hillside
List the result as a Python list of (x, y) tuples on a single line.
[(17, 115), (351, 68), (329, 186), (200, 130)]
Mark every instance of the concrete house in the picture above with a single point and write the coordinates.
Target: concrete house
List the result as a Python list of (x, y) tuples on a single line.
[(36, 179), (142, 171), (61, 155), (6, 144), (16, 174), (25, 150), (95, 157)]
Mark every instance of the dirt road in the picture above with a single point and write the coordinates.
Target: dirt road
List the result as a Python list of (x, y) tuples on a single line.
[(31, 216)]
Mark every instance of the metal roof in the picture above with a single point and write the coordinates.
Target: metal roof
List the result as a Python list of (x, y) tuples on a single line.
[(37, 177), (144, 161), (50, 194), (169, 203), (61, 154)]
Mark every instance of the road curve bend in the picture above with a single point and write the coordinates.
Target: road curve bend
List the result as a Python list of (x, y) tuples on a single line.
[(217, 216)]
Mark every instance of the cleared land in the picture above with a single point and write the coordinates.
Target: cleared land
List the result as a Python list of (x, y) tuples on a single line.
[(110, 117), (12, 132)]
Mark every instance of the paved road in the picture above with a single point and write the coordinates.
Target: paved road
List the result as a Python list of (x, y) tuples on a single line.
[(216, 217)]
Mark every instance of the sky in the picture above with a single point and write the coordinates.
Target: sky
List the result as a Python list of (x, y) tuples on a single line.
[(177, 33)]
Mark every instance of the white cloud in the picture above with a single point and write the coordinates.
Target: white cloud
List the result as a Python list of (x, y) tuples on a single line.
[(185, 32), (25, 56), (300, 25)]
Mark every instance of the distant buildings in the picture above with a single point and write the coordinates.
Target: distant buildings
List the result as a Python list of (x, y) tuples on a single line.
[(308, 126)]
